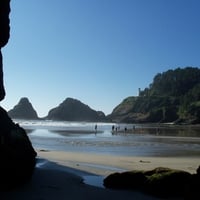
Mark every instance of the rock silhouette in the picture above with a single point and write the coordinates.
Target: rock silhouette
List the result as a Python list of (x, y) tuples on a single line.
[(17, 155), (4, 37), (23, 110), (74, 110)]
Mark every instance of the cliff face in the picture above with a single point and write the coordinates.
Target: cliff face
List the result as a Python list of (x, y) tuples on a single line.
[(23, 110), (130, 110), (146, 110), (74, 110)]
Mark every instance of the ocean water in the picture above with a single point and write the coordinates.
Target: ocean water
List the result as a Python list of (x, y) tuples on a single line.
[(138, 140)]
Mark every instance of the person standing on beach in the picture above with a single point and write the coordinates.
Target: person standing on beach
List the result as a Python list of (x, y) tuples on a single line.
[(95, 128), (4, 37)]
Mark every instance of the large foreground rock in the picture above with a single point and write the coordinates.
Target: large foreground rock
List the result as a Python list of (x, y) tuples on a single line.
[(161, 182), (17, 156)]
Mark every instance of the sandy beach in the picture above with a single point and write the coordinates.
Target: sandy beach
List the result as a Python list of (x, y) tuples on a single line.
[(69, 175), (103, 165)]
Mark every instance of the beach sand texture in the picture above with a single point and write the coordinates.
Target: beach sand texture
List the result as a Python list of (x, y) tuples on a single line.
[(59, 175), (100, 164)]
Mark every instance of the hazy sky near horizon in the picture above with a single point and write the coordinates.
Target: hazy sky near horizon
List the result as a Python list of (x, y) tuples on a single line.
[(97, 51)]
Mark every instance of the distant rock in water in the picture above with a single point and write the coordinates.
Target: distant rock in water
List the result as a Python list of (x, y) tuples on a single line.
[(74, 110), (23, 110)]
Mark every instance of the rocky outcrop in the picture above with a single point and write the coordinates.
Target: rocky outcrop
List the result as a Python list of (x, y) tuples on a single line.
[(161, 182), (74, 110), (123, 111), (4, 22), (4, 37), (23, 110), (17, 156)]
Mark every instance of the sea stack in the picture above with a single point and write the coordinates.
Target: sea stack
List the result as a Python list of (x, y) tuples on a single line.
[(23, 110)]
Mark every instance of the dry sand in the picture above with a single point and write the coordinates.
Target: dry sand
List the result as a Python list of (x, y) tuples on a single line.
[(59, 176), (105, 164)]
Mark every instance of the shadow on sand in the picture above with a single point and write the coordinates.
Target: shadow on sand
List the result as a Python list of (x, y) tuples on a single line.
[(52, 181)]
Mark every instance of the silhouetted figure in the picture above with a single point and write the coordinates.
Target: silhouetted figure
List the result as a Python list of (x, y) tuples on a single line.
[(4, 37), (113, 128), (95, 128)]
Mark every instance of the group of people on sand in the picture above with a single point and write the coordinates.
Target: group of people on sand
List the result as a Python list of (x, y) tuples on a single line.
[(117, 128)]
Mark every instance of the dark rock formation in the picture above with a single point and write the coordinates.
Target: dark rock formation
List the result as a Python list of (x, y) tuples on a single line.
[(17, 156), (74, 110), (161, 182), (4, 37), (4, 22), (125, 180), (23, 110), (192, 191), (101, 116)]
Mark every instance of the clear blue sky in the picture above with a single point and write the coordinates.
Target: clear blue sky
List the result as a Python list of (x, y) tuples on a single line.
[(97, 51)]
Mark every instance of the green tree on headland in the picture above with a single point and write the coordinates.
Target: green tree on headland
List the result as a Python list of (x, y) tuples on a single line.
[(173, 96)]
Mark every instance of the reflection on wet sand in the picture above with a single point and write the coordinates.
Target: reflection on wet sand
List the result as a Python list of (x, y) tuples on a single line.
[(73, 131), (162, 130)]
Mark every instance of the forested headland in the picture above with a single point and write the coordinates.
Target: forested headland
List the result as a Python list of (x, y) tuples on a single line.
[(173, 96)]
